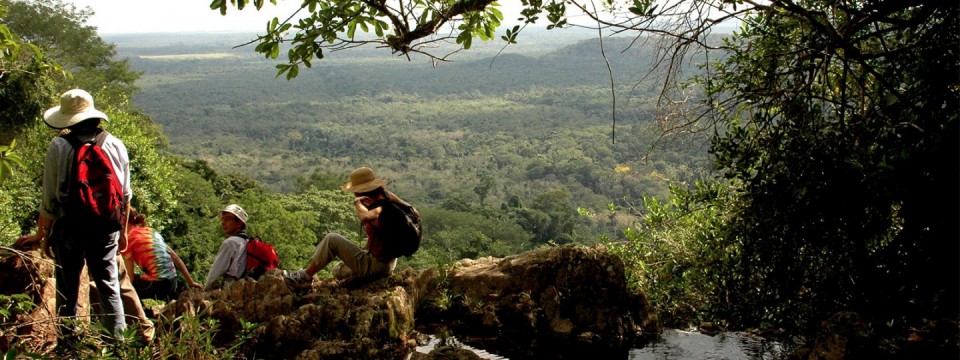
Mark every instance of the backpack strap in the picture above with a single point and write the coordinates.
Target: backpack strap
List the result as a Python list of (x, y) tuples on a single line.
[(75, 141), (101, 137), (249, 239)]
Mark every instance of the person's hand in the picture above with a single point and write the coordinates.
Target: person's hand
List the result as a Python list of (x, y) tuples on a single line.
[(45, 246), (196, 285), (27, 240), (363, 200), (122, 243)]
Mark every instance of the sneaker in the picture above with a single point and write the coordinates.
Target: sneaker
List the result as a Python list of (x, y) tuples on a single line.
[(297, 277)]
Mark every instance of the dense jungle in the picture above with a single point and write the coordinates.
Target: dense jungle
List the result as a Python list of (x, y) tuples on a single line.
[(804, 165)]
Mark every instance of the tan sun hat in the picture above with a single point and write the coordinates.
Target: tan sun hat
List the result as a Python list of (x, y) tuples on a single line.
[(237, 211), (362, 180), (75, 106)]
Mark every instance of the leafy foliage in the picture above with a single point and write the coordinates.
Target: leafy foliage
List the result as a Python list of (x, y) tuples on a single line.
[(410, 26), (63, 35), (842, 129), (681, 256), (25, 74)]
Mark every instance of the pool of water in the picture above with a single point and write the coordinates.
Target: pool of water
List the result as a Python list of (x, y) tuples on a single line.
[(675, 345), (687, 345)]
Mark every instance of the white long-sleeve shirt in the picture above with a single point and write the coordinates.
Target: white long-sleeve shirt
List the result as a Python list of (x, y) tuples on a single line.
[(231, 260)]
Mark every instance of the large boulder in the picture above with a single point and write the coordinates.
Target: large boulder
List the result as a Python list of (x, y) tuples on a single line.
[(558, 301)]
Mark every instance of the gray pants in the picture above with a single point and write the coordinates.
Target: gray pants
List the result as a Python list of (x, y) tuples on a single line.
[(100, 255), (356, 261), (132, 306)]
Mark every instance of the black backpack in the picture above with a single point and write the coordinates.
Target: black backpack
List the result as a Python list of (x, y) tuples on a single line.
[(400, 229)]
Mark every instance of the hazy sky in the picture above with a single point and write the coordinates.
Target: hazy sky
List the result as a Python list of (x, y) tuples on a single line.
[(127, 16)]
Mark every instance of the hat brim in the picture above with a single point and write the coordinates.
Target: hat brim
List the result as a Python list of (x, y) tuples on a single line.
[(367, 186), (232, 213), (58, 120)]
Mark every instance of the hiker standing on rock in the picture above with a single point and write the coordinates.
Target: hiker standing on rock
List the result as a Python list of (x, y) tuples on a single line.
[(373, 260), (86, 173), (231, 260)]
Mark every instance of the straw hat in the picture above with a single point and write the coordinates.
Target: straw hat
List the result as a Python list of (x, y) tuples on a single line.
[(237, 211), (363, 180), (75, 106)]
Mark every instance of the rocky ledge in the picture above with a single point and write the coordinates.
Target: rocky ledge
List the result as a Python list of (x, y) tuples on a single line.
[(561, 301), (566, 297)]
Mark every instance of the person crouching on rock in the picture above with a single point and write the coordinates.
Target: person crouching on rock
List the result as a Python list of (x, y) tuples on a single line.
[(369, 262)]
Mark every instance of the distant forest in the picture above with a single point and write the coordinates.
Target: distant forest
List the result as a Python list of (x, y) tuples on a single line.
[(485, 129)]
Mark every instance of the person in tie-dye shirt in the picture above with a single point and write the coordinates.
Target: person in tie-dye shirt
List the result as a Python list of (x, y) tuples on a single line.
[(158, 262)]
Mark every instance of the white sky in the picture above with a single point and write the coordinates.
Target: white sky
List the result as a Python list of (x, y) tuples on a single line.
[(129, 16), (133, 16)]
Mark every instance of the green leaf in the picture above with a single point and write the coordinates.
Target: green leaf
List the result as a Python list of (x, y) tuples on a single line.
[(462, 38), (282, 69), (424, 15), (496, 13), (275, 50), (381, 26), (294, 71), (16, 159), (5, 172), (352, 28)]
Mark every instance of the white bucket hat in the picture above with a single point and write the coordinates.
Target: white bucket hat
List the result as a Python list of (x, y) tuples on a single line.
[(75, 106), (237, 211)]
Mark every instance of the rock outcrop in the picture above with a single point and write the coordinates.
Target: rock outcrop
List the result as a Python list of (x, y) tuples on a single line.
[(28, 274), (325, 319), (557, 301), (566, 298)]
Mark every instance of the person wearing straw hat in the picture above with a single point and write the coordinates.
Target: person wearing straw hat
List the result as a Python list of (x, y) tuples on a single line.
[(73, 247), (356, 262), (231, 259)]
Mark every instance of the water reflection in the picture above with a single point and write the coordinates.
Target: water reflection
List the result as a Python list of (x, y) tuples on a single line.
[(686, 345), (676, 345)]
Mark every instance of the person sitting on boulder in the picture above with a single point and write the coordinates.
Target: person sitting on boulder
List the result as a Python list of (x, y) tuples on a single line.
[(231, 260), (146, 249), (356, 262)]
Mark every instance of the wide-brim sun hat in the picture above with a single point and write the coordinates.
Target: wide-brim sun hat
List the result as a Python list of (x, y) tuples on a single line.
[(237, 211), (362, 180), (75, 106)]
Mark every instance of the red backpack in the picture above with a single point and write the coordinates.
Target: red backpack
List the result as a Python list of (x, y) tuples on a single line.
[(96, 200), (260, 258)]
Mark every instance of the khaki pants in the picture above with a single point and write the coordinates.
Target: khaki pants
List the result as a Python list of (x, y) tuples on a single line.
[(356, 261), (132, 308)]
